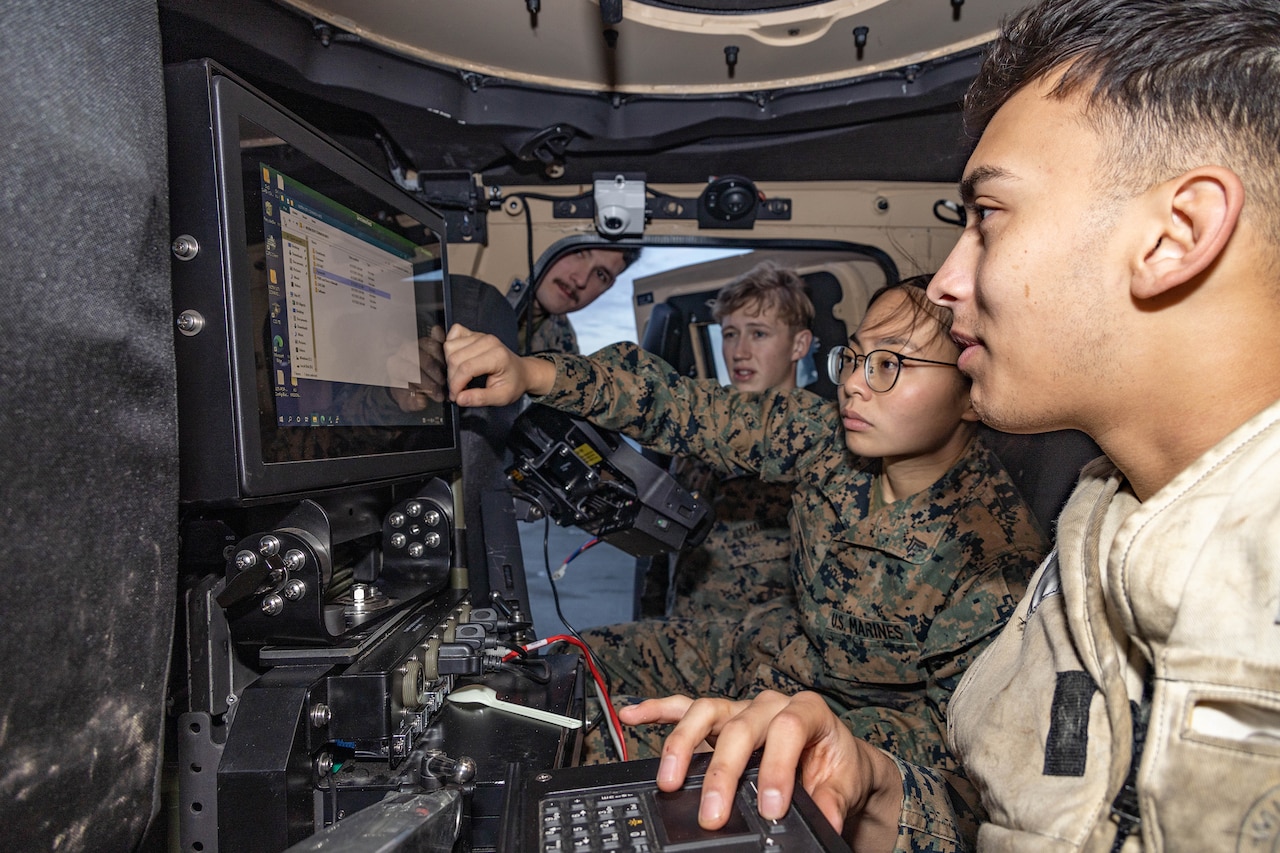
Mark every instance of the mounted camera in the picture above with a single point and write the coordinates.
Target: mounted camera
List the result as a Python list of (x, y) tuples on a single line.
[(619, 202), (587, 477), (728, 202)]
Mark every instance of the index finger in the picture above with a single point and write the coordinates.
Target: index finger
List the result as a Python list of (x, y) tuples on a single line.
[(695, 722), (736, 739)]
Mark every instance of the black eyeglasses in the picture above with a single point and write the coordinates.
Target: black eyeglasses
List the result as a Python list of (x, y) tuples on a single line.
[(881, 367)]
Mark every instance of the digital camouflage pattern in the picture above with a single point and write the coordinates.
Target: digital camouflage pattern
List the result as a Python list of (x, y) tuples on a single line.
[(745, 558), (552, 333), (890, 607)]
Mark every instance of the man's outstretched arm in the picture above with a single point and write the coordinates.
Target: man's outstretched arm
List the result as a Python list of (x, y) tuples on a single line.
[(472, 354)]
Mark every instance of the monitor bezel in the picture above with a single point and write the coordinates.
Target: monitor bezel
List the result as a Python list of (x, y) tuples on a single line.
[(253, 479)]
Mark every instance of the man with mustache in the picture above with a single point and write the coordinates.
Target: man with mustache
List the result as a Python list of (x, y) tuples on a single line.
[(572, 282)]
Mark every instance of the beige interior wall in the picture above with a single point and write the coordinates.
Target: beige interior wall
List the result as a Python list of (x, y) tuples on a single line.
[(897, 218)]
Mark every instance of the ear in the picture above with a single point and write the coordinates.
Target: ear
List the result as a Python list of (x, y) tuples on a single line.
[(1198, 212), (800, 345)]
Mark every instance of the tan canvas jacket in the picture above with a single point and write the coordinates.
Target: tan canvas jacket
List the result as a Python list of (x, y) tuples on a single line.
[(1186, 584)]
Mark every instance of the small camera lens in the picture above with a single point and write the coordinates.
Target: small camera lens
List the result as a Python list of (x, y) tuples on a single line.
[(736, 201), (613, 223)]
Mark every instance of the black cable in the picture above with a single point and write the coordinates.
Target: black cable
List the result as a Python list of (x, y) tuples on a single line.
[(555, 593), (546, 562), (533, 295), (596, 720), (518, 651), (534, 669), (528, 244)]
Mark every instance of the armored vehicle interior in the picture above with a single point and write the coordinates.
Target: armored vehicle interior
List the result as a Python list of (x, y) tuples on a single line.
[(250, 604)]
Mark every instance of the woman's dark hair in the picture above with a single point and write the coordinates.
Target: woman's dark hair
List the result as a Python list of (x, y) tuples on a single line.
[(917, 310)]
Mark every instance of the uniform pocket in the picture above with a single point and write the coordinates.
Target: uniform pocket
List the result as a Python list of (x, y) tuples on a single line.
[(1211, 769)]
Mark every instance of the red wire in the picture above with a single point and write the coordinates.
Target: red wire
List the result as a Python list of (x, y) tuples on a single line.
[(595, 674)]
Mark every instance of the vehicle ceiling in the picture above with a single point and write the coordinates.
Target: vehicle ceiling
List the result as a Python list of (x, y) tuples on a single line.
[(553, 91)]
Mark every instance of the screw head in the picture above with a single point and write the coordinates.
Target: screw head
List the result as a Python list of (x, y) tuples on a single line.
[(185, 247), (320, 715), (190, 322)]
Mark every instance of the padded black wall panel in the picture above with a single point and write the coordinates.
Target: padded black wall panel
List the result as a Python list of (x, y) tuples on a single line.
[(88, 463)]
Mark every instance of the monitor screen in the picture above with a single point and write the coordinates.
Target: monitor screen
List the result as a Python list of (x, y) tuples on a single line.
[(324, 316), (350, 309)]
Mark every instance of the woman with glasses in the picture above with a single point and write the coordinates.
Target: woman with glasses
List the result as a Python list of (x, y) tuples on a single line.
[(914, 545)]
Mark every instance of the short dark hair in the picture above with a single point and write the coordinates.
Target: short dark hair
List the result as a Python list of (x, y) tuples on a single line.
[(1171, 84), (768, 285), (630, 255)]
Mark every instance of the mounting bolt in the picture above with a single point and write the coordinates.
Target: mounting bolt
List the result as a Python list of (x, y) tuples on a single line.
[(272, 605), (320, 715), (731, 56), (185, 247), (190, 323)]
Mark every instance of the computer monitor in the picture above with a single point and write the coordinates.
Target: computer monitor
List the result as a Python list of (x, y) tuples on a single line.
[(311, 299)]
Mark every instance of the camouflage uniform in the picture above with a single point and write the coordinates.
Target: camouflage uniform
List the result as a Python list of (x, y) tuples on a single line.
[(551, 333), (746, 558), (891, 605)]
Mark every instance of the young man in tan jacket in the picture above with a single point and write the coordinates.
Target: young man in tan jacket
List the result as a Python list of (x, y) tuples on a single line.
[(1119, 274)]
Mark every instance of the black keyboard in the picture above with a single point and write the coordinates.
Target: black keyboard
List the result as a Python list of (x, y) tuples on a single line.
[(617, 808)]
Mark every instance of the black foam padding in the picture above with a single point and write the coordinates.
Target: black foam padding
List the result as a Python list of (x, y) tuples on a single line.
[(88, 419)]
